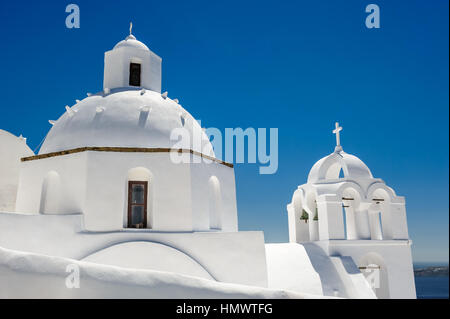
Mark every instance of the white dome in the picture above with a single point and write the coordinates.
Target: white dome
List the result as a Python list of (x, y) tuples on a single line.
[(12, 146), (131, 42), (329, 168), (127, 118)]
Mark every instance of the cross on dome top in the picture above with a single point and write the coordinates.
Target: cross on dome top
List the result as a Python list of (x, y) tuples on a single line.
[(131, 36), (337, 131)]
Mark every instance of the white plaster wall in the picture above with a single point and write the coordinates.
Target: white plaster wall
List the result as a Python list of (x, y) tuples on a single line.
[(399, 221), (107, 193), (12, 149), (235, 257), (149, 255), (396, 255), (200, 175), (340, 276), (72, 172), (96, 184), (355, 284), (21, 278), (294, 235), (289, 267), (331, 221), (362, 224)]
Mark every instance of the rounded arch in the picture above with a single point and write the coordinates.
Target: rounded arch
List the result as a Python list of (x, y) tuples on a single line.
[(297, 200), (310, 199), (51, 194), (140, 174), (338, 165), (215, 203), (141, 254), (351, 189), (374, 268), (301, 216), (380, 190)]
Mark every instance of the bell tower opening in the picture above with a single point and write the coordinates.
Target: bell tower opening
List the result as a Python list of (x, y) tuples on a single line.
[(135, 74), (131, 64)]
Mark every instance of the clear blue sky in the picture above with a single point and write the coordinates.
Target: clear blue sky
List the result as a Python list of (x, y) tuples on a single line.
[(295, 65)]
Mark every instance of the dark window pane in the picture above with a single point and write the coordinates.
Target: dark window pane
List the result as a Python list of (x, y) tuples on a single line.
[(137, 195), (135, 74), (137, 215)]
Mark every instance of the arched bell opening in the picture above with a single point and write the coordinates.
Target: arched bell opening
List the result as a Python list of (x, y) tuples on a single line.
[(301, 217), (381, 220)]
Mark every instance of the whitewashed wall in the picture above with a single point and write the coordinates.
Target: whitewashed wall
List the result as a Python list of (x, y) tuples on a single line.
[(95, 184), (18, 270), (201, 193), (117, 66), (236, 257), (70, 188), (396, 256)]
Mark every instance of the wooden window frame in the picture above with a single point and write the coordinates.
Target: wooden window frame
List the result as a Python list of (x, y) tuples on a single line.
[(130, 204)]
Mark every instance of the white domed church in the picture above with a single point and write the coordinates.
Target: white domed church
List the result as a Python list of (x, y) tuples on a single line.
[(103, 211), (108, 157)]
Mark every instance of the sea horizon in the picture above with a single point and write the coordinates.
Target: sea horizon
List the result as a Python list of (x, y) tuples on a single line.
[(420, 264)]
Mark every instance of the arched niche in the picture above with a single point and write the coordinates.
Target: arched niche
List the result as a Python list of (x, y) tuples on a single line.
[(51, 194), (139, 199), (374, 269), (215, 203)]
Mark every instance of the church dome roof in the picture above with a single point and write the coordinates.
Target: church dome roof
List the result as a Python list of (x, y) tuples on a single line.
[(338, 165), (131, 42), (125, 118), (12, 149)]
